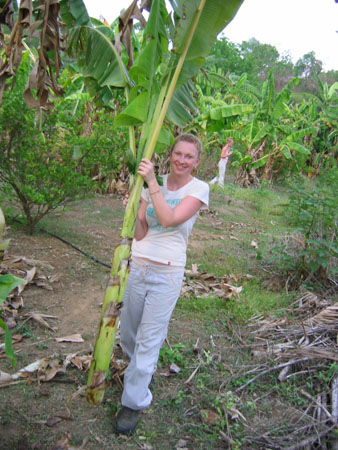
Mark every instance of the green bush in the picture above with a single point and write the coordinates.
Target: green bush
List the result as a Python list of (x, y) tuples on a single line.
[(313, 212), (48, 158)]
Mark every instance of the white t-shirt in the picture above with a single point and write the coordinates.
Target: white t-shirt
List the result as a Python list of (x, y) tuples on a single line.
[(169, 245)]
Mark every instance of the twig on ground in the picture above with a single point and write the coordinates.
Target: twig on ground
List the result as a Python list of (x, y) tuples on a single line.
[(311, 440), (322, 407), (193, 374), (271, 369)]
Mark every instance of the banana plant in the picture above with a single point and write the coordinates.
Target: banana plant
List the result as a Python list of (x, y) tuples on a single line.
[(158, 89), (262, 124)]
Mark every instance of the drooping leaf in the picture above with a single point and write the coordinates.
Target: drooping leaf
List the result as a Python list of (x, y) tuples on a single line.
[(182, 107), (286, 152), (97, 56), (260, 135), (74, 13), (300, 134), (229, 110), (216, 15), (260, 162), (8, 282), (299, 148), (134, 113)]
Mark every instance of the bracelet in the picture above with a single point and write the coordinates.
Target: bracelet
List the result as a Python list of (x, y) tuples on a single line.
[(155, 192)]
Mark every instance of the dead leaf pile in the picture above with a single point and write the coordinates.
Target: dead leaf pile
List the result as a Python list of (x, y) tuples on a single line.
[(30, 270), (203, 284), (46, 369), (294, 346)]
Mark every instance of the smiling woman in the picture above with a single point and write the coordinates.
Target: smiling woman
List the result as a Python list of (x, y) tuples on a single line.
[(165, 218)]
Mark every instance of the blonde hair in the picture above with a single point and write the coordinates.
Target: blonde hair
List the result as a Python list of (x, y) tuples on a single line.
[(188, 137)]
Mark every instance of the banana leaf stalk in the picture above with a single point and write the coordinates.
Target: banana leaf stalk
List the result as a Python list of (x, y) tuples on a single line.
[(120, 270)]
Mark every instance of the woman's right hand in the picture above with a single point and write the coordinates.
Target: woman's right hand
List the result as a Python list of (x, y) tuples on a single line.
[(146, 169), (125, 200)]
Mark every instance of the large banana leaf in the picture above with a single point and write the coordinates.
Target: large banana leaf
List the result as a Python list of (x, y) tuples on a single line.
[(100, 60), (97, 56), (215, 16)]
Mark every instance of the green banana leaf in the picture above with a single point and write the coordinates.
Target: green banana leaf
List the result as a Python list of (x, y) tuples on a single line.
[(8, 282), (286, 152), (74, 13), (260, 162), (283, 98), (99, 59), (300, 134), (97, 56), (216, 15), (299, 148), (230, 110), (260, 135)]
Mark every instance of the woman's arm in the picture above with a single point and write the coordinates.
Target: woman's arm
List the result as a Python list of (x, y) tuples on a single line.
[(141, 226), (167, 217)]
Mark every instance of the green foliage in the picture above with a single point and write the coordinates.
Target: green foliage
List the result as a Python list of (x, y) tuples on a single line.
[(38, 163), (8, 282), (169, 355), (312, 210)]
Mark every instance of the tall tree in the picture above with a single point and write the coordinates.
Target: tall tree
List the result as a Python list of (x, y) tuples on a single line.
[(307, 69)]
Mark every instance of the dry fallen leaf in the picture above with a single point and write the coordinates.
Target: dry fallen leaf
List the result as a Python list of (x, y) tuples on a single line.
[(209, 417), (53, 421), (33, 367), (233, 238), (63, 443), (5, 377), (80, 362), (72, 338), (40, 319), (50, 373), (235, 414), (254, 243), (174, 368)]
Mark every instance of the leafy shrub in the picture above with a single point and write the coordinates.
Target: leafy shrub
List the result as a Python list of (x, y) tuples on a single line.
[(313, 255), (48, 158)]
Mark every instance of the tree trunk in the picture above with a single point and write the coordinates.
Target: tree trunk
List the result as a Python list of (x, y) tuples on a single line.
[(247, 176)]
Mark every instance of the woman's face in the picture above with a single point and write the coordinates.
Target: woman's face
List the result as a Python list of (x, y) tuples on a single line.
[(184, 158)]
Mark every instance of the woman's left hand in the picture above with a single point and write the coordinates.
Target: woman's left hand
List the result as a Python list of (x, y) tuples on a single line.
[(146, 169)]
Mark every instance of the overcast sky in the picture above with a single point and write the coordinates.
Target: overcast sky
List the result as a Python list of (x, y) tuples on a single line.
[(296, 27)]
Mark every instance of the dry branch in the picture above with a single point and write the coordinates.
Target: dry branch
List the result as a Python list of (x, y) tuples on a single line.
[(311, 440), (271, 369)]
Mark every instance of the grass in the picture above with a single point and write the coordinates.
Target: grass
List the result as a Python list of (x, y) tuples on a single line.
[(231, 250)]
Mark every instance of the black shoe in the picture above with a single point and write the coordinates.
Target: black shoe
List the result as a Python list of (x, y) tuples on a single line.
[(127, 420)]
